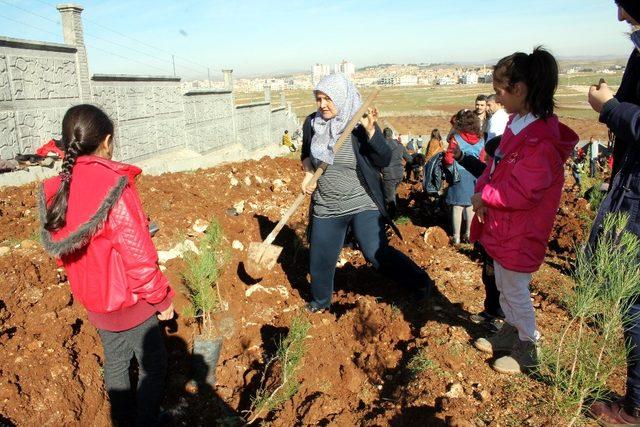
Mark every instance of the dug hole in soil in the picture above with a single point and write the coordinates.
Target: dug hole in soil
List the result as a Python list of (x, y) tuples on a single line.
[(355, 367)]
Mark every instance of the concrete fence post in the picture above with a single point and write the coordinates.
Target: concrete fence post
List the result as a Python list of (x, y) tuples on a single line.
[(73, 34), (267, 93), (228, 79)]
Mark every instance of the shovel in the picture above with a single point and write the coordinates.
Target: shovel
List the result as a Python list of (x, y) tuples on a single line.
[(262, 256)]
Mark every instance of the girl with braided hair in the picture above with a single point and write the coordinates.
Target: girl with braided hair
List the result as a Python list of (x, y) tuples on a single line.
[(92, 221)]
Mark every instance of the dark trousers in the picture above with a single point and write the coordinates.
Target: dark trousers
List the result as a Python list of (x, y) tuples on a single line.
[(327, 238), (592, 168), (632, 338), (146, 343), (390, 188), (492, 294)]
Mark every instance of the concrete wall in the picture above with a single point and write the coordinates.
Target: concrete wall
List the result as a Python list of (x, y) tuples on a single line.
[(209, 119), (253, 125), (38, 82), (147, 111)]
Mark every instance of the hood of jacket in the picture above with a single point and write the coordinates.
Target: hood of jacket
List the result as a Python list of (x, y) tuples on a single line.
[(96, 184)]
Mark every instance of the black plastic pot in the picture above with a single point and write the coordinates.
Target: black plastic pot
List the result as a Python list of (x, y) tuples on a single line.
[(205, 358)]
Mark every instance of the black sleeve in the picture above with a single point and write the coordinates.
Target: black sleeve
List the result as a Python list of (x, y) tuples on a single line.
[(307, 134), (379, 152), (473, 165), (622, 118)]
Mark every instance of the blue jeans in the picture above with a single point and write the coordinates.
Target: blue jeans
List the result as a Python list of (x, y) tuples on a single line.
[(327, 238), (632, 338), (146, 343)]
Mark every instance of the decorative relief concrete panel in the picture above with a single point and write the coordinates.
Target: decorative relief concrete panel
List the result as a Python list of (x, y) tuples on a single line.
[(9, 146), (5, 91), (170, 133), (135, 102), (137, 140), (106, 98), (43, 77), (36, 127)]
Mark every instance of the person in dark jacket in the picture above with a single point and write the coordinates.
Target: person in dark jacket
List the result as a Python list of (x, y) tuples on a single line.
[(492, 315), (621, 114), (350, 192), (392, 174)]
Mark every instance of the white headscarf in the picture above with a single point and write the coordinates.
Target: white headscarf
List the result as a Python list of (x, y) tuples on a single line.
[(347, 100)]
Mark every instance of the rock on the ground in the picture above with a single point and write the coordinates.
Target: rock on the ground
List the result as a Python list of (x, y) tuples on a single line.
[(454, 390), (4, 250), (247, 181), (239, 207), (200, 226), (233, 181), (436, 237), (28, 244), (178, 251), (277, 184), (237, 244)]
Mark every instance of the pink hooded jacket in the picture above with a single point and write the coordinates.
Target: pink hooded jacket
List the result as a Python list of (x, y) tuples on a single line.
[(522, 193)]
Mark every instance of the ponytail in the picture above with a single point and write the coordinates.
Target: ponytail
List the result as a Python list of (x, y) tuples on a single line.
[(84, 127), (538, 71)]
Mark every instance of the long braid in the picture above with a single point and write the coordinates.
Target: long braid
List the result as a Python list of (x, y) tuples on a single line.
[(57, 211), (84, 128)]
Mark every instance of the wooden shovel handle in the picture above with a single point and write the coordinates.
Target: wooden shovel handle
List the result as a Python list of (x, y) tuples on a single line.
[(323, 166)]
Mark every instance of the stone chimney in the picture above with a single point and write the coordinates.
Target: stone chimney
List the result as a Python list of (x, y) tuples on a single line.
[(228, 79), (74, 36)]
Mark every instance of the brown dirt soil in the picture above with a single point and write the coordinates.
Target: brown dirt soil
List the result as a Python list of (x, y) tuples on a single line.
[(355, 368)]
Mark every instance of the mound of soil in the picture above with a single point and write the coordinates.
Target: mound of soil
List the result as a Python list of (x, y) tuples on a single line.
[(360, 358)]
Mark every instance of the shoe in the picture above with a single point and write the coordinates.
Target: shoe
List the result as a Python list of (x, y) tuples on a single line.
[(523, 358), (481, 317), (614, 414), (466, 239), (492, 323), (455, 241), (503, 340), (312, 308)]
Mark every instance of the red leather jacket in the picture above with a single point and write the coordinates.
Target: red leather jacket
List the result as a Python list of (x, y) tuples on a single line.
[(105, 245)]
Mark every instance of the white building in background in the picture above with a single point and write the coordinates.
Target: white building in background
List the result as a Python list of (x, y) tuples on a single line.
[(390, 80), (408, 80), (318, 71), (345, 67), (445, 81), (469, 79)]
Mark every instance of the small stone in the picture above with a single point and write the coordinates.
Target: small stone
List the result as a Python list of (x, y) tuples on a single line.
[(4, 250), (258, 180), (233, 182), (247, 181), (454, 390), (200, 226), (237, 244), (239, 207), (482, 395), (341, 262), (277, 184), (28, 244), (33, 295)]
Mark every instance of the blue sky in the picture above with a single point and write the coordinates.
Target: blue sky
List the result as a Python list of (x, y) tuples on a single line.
[(276, 36)]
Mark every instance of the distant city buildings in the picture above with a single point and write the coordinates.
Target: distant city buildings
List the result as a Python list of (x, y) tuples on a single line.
[(469, 79), (318, 71), (345, 67)]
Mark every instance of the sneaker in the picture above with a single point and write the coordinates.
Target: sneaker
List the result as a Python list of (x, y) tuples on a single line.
[(312, 308), (614, 414), (523, 358), (503, 340), (455, 241), (492, 323)]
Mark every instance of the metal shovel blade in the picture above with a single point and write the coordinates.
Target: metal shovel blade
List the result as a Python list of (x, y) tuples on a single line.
[(261, 258)]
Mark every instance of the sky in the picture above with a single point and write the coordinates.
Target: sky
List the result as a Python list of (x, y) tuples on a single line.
[(276, 36)]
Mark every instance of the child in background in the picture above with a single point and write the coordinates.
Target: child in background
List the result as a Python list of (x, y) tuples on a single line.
[(466, 135), (92, 220), (517, 198)]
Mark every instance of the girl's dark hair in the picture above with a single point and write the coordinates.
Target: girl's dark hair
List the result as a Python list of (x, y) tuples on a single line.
[(84, 127), (467, 121), (538, 71), (435, 134)]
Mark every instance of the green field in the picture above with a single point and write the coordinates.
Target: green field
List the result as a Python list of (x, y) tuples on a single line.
[(443, 100)]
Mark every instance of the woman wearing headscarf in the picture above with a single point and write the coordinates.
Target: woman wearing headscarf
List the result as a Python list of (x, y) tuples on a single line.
[(350, 192)]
